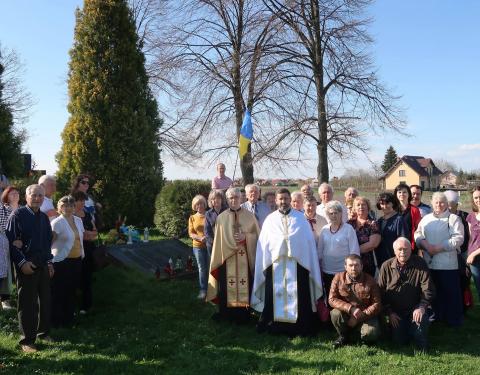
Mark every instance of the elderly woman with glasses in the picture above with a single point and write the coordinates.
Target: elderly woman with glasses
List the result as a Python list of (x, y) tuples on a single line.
[(337, 240), (67, 250), (390, 225), (440, 235)]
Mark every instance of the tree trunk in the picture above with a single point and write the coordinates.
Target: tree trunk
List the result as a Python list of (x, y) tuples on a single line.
[(246, 165), (322, 146)]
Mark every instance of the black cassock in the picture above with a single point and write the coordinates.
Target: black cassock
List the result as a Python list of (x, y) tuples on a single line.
[(307, 321)]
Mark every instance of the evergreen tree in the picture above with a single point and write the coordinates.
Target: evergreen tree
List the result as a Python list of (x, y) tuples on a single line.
[(11, 161), (390, 159), (112, 131)]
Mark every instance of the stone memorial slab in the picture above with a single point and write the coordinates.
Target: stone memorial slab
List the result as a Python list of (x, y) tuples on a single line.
[(152, 256)]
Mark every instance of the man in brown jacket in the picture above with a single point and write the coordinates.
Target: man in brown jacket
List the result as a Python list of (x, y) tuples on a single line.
[(355, 300), (407, 290)]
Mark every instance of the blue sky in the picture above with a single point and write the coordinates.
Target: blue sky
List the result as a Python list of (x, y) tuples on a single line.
[(426, 51)]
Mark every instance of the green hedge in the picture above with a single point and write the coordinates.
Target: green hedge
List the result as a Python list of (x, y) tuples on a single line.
[(173, 205)]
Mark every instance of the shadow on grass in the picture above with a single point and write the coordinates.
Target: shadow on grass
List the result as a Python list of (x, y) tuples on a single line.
[(140, 325)]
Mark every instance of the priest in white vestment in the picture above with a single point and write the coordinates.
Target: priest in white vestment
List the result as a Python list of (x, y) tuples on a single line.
[(287, 283)]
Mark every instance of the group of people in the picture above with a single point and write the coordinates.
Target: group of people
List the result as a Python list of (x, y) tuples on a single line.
[(299, 260), (51, 249)]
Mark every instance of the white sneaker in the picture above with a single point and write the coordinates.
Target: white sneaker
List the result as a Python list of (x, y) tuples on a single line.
[(82, 312), (7, 306), (202, 294)]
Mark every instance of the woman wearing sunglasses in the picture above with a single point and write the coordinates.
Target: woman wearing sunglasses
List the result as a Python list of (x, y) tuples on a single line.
[(83, 183)]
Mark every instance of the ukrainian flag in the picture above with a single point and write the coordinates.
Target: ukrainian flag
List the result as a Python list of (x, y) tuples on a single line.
[(246, 134)]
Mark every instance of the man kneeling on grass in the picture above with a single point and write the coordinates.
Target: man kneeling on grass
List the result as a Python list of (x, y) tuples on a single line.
[(355, 300), (407, 290)]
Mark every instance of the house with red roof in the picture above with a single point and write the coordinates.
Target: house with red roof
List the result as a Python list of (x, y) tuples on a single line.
[(413, 170)]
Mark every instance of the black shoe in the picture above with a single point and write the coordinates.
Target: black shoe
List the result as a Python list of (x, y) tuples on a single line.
[(339, 342)]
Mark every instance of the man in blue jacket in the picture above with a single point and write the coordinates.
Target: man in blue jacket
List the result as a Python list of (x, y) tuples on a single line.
[(30, 237)]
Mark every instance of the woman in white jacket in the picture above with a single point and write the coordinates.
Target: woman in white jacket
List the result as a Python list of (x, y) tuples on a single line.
[(440, 235), (67, 250)]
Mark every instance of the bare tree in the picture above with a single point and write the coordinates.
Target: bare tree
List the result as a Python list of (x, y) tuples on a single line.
[(341, 100), (445, 165), (14, 94), (213, 59)]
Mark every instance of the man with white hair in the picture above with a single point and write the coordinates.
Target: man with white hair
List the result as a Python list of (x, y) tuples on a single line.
[(325, 191), (297, 201), (30, 236), (49, 184), (351, 193), (256, 207), (407, 290)]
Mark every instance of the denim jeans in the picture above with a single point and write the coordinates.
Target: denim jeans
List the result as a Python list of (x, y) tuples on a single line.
[(408, 329), (475, 269), (203, 264)]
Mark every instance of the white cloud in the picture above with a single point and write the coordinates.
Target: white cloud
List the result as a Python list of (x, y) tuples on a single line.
[(471, 147)]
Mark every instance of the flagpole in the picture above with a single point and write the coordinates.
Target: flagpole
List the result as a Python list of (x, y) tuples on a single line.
[(235, 169)]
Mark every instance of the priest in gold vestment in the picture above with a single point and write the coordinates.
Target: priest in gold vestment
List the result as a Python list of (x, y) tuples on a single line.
[(233, 260)]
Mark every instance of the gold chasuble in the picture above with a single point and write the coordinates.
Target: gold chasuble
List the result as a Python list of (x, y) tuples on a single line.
[(238, 258)]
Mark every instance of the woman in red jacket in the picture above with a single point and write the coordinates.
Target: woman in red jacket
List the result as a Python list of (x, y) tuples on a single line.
[(411, 214)]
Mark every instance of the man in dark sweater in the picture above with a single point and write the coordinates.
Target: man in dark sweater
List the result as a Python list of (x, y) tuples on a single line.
[(407, 290), (30, 237)]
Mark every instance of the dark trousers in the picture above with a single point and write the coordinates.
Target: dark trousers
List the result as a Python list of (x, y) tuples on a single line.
[(64, 285), (87, 275), (448, 302), (33, 304), (368, 331), (408, 329), (327, 279)]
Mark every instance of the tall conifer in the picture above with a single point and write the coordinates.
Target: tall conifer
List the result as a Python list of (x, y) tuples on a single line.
[(390, 159), (112, 131)]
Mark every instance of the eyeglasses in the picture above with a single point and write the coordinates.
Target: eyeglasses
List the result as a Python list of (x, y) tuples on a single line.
[(85, 182)]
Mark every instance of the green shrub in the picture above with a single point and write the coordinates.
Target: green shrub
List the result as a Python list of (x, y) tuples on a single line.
[(22, 183), (173, 205)]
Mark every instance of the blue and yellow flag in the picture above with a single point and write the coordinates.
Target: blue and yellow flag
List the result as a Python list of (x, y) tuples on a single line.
[(246, 134)]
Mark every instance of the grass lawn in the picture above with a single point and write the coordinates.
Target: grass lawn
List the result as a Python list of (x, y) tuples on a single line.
[(143, 326)]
